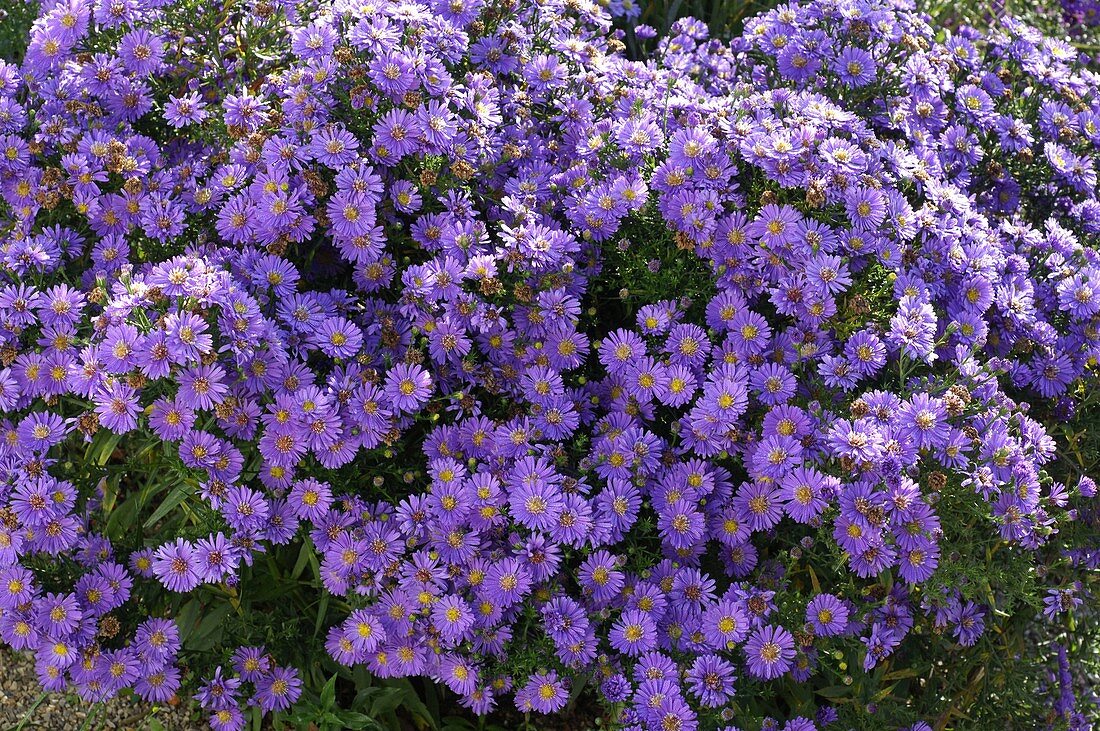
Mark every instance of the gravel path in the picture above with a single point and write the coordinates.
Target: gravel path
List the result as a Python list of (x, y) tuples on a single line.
[(19, 690)]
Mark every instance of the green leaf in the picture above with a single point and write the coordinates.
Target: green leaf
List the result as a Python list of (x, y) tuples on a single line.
[(322, 611), (388, 700), (122, 518), (328, 693), (303, 560), (186, 618), (179, 493), (835, 691), (358, 721), (102, 447), (413, 704), (210, 629)]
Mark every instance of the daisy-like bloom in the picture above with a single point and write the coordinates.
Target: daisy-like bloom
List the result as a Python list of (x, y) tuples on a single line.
[(710, 679), (865, 352), (750, 333), (543, 692), (804, 490), (673, 712), (251, 663), (866, 208), (41, 430), (724, 625), (407, 387), (185, 109), (340, 647), (633, 633), (310, 499), (118, 408), (599, 574), (334, 147), (760, 504), (827, 615), (227, 719), (620, 349), (855, 67), (279, 689), (775, 456), (395, 135), (159, 686), (188, 337), (681, 524), (203, 387), (364, 630), (770, 652), (924, 419), (157, 640), (773, 384), (452, 616), (776, 225), (536, 506), (141, 52), (880, 644), (339, 337), (918, 562), (59, 614), (174, 564), (32, 504), (216, 557), (859, 440)]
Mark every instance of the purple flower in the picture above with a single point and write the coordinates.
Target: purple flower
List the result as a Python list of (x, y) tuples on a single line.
[(633, 633), (174, 564), (806, 493), (219, 692), (769, 651), (710, 679), (855, 67), (827, 615), (279, 689), (452, 616), (203, 387), (407, 387), (543, 692), (185, 109), (118, 408)]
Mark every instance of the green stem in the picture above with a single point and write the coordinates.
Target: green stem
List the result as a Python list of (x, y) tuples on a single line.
[(31, 710)]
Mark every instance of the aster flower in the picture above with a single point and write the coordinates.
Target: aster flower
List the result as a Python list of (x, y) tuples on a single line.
[(543, 692), (805, 491), (633, 633), (711, 679), (760, 504), (185, 109), (118, 408), (218, 692), (407, 386), (769, 651), (855, 67), (827, 615), (174, 564), (279, 689)]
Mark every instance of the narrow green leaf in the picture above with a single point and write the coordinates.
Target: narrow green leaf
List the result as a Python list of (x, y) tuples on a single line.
[(328, 693), (412, 702), (209, 629), (179, 493), (387, 701)]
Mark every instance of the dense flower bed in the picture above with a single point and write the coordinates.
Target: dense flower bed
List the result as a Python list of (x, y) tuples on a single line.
[(698, 384)]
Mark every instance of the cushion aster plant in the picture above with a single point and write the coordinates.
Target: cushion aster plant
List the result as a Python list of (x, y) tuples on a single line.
[(351, 341)]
